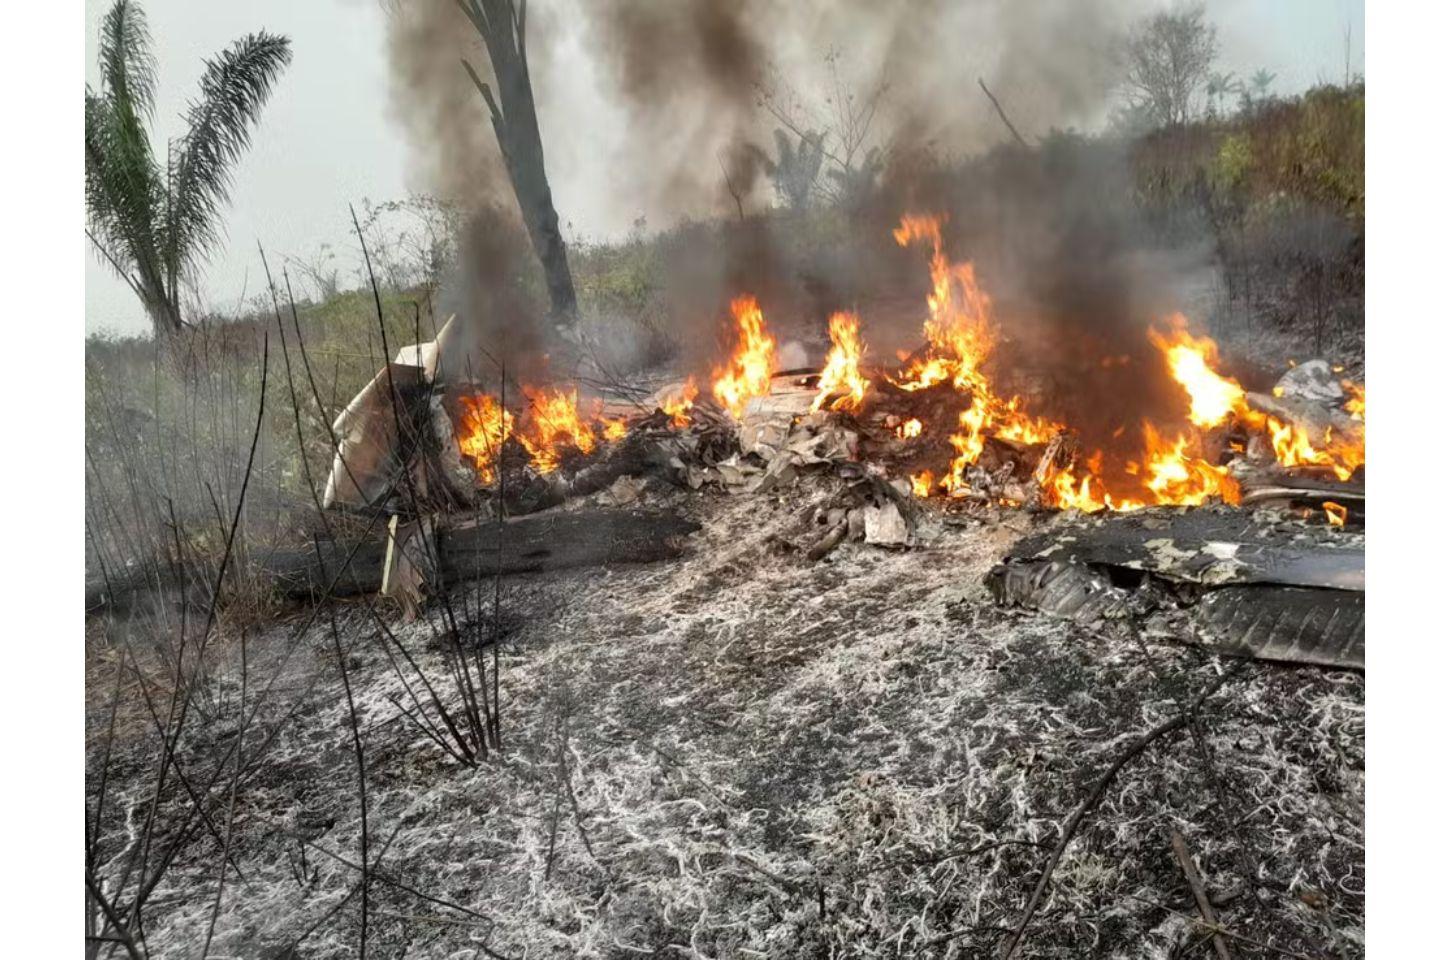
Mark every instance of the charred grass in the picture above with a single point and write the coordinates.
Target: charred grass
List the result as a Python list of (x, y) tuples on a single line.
[(745, 753)]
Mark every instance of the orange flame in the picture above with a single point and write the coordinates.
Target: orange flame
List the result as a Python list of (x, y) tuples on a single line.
[(1177, 477), (960, 334), (613, 428), (1067, 491), (678, 402), (842, 372), (1293, 447), (553, 426), (482, 429), (1354, 405), (958, 327), (748, 373), (1335, 513), (1212, 398), (909, 429), (1012, 423), (1172, 474), (921, 484), (968, 444)]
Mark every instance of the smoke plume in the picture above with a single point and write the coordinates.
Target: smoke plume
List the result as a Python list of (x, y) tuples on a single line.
[(441, 112), (641, 103), (666, 111)]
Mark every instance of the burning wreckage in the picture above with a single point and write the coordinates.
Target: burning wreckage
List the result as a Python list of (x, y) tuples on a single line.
[(1238, 523)]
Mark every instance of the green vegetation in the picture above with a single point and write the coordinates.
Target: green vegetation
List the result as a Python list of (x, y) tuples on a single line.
[(1305, 151)]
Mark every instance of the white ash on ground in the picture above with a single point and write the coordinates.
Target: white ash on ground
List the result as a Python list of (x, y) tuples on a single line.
[(745, 752)]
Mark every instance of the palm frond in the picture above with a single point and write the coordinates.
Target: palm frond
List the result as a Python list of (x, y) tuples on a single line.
[(100, 205), (128, 68), (123, 189), (234, 87)]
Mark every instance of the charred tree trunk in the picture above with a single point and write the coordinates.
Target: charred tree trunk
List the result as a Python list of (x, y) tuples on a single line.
[(516, 124)]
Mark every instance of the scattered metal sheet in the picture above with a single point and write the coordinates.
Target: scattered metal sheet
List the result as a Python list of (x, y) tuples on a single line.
[(425, 356), (369, 458), (1323, 627), (410, 567), (1313, 381), (1309, 493), (885, 526), (1203, 545), (1072, 591), (1235, 582), (1309, 415)]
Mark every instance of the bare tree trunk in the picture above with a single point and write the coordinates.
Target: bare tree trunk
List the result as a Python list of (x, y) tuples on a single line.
[(516, 124), (164, 314)]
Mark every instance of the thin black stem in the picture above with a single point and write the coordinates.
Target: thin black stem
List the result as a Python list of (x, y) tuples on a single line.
[(498, 563), (362, 785), (216, 905), (1069, 828)]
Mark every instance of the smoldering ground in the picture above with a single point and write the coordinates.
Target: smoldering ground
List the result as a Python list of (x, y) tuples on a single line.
[(733, 760)]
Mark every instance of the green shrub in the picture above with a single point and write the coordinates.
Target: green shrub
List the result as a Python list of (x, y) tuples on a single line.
[(1232, 163)]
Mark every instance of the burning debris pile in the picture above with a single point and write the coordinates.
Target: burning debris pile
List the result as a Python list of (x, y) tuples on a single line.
[(934, 435), (940, 419)]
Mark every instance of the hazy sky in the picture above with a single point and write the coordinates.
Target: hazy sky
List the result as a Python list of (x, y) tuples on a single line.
[(328, 137)]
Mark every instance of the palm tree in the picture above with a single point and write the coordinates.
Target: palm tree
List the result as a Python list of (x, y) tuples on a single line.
[(1261, 81), (153, 222), (1220, 85), (1255, 92)]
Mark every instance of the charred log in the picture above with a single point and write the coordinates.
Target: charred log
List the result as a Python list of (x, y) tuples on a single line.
[(638, 455), (466, 551)]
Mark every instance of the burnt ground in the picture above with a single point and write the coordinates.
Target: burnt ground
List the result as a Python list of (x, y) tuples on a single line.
[(742, 753)]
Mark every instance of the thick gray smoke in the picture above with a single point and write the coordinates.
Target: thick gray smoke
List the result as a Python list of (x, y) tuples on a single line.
[(686, 76), (458, 158), (500, 313), (443, 115), (693, 78), (642, 102), (662, 111)]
